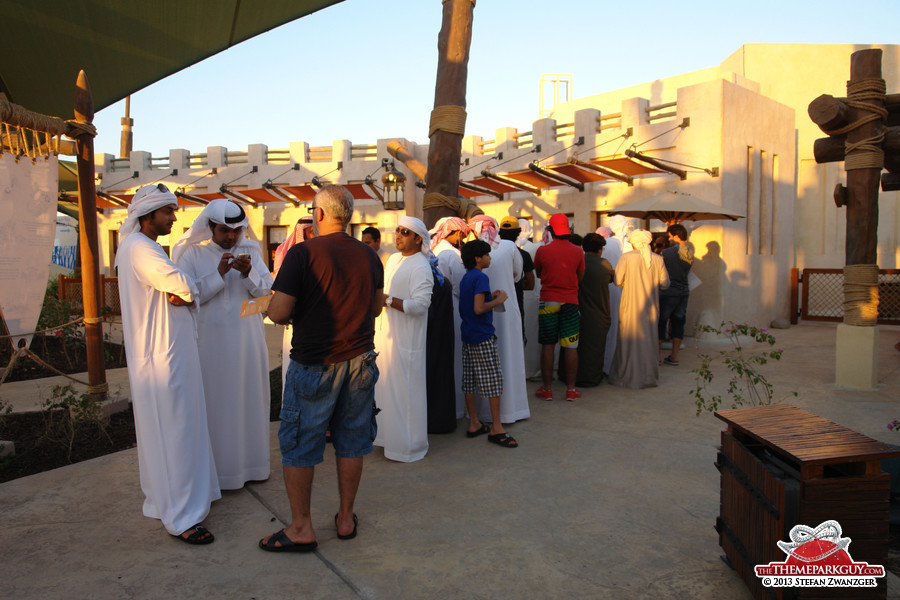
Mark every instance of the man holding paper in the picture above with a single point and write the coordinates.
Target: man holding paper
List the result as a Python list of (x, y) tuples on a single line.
[(229, 271)]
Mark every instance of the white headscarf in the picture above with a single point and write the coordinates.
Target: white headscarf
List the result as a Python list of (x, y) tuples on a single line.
[(145, 201), (221, 211), (641, 239), (418, 227), (525, 226), (621, 226)]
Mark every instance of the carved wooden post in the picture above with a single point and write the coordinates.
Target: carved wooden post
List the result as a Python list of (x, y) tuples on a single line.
[(87, 237), (448, 117)]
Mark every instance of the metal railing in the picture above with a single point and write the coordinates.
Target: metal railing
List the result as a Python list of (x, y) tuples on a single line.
[(818, 295)]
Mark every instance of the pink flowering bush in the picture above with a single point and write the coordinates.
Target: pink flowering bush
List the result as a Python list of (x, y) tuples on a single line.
[(747, 385)]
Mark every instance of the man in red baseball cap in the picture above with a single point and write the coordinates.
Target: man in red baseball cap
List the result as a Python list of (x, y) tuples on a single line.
[(560, 266)]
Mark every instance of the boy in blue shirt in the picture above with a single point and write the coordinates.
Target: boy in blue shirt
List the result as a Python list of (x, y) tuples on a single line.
[(481, 364)]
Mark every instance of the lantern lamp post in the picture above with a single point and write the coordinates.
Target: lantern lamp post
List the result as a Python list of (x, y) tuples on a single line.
[(394, 183)]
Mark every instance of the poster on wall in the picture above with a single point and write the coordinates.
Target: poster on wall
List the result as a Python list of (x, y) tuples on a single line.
[(28, 193)]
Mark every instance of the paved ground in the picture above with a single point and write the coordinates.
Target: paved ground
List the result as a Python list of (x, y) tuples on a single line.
[(613, 496)]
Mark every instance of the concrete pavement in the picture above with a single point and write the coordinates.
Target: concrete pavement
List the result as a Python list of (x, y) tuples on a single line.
[(612, 496)]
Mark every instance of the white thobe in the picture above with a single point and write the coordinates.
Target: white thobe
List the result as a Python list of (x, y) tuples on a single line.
[(636, 363), (612, 252), (400, 342), (234, 361), (505, 270), (178, 476), (450, 264)]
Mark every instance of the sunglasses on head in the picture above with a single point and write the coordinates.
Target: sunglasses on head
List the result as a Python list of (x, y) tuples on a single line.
[(404, 231), (161, 187)]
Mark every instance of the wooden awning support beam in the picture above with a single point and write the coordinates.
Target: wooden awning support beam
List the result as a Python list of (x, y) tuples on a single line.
[(196, 199), (277, 191), (656, 163), (480, 190), (556, 177), (512, 183), (114, 199), (375, 191), (74, 199), (242, 199), (603, 171)]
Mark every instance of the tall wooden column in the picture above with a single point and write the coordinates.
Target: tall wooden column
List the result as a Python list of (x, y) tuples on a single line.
[(862, 184), (861, 117), (87, 238), (445, 148)]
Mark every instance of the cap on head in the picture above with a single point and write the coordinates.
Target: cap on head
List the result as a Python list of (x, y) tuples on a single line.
[(509, 223), (559, 223)]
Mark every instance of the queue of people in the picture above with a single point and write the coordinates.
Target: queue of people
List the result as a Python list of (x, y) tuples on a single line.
[(379, 350)]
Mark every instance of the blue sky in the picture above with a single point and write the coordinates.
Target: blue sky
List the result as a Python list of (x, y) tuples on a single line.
[(364, 69)]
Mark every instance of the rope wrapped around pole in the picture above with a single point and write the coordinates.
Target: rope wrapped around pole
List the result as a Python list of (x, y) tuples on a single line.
[(867, 153), (861, 295), (465, 208), (449, 118)]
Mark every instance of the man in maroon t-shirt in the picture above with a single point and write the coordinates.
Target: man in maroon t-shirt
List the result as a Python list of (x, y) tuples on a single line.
[(331, 288), (560, 266)]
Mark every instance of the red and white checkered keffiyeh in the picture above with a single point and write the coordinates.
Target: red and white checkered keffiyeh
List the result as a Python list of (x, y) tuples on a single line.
[(485, 228), (297, 235), (445, 227)]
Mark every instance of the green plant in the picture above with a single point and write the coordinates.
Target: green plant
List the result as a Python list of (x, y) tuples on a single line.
[(67, 413), (57, 313), (747, 384)]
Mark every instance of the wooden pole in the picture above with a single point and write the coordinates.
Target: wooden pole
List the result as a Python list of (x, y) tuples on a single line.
[(127, 136), (87, 238), (862, 184), (445, 148)]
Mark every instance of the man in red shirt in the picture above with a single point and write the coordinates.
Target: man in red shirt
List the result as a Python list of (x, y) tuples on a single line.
[(560, 266)]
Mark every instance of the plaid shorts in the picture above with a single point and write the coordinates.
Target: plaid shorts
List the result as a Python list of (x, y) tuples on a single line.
[(558, 322), (481, 367)]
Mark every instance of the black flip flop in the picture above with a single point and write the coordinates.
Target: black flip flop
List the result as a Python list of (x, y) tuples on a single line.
[(484, 429), (287, 545), (350, 535), (198, 537), (503, 439)]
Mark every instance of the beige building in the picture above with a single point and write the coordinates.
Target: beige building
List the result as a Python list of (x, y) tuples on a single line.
[(739, 131)]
